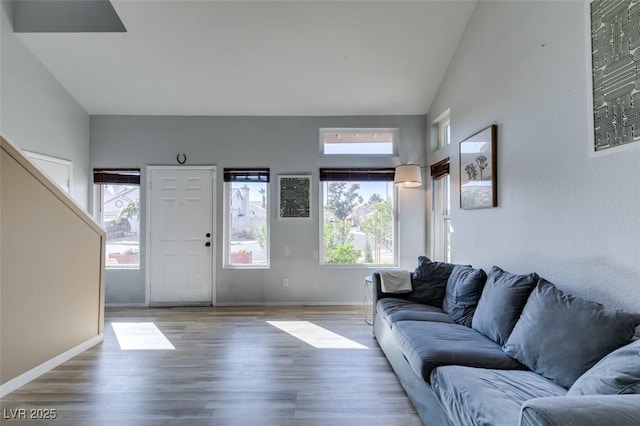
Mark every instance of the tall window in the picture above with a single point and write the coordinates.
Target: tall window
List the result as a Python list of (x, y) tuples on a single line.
[(118, 210), (246, 218), (349, 141), (441, 210), (358, 217), (441, 190)]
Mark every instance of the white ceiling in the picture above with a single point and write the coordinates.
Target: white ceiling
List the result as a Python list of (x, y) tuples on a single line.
[(259, 57)]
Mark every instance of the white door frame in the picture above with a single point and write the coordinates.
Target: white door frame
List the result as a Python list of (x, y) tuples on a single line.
[(214, 230)]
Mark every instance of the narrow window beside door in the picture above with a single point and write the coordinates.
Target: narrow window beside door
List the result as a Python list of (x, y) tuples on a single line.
[(118, 211), (247, 218)]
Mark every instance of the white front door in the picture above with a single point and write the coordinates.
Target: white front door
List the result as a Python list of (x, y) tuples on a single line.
[(181, 235)]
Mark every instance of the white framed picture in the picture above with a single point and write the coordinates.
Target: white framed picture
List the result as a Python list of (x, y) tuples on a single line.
[(478, 181)]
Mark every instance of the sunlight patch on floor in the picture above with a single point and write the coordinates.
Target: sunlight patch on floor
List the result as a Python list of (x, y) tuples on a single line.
[(315, 335), (140, 336)]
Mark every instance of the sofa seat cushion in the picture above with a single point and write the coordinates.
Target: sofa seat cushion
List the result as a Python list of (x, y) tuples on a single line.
[(476, 396), (427, 345), (393, 310)]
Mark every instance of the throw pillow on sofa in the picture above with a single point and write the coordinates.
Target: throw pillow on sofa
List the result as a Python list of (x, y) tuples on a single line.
[(501, 303), (429, 281), (463, 291), (616, 374), (560, 336)]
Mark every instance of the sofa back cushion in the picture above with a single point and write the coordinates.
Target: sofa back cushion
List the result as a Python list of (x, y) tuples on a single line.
[(615, 374), (560, 336), (429, 282), (501, 303), (463, 290)]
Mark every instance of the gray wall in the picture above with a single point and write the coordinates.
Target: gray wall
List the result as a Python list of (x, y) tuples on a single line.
[(287, 145), (573, 218), (36, 113)]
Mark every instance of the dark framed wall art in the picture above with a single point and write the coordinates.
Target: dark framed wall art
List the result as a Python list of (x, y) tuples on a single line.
[(478, 161), (294, 197), (615, 52)]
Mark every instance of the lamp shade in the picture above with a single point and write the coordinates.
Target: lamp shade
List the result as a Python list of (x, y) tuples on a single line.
[(408, 175)]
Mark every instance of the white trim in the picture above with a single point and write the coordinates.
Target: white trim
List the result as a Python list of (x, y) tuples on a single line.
[(250, 304), (56, 160), (446, 114), (214, 227), (47, 366), (126, 305)]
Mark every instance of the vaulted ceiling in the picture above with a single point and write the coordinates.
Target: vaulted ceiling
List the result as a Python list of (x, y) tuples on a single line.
[(211, 57)]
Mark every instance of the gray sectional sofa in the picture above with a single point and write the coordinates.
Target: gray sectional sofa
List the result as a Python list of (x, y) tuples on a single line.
[(496, 348)]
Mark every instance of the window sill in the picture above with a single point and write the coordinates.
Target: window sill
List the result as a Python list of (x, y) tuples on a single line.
[(246, 267), (357, 266), (122, 267)]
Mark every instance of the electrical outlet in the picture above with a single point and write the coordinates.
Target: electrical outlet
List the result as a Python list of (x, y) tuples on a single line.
[(285, 282)]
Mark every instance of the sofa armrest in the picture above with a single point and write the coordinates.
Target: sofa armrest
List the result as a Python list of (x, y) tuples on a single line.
[(376, 291), (377, 294), (605, 410)]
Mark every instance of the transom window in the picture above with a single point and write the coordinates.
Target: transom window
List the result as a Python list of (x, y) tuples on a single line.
[(370, 141), (247, 218), (358, 217), (441, 131)]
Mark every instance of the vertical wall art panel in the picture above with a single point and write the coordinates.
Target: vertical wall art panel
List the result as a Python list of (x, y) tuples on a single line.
[(294, 194), (615, 44)]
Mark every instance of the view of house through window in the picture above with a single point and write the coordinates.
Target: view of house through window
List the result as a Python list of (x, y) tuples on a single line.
[(358, 220), (247, 227), (119, 215)]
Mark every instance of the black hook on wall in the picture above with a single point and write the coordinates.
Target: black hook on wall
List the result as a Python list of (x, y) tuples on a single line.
[(184, 158)]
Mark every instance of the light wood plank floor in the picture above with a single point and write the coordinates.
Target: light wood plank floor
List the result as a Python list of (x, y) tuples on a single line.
[(230, 367)]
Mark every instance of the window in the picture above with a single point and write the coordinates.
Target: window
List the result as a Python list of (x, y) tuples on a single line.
[(441, 131), (246, 218), (441, 210), (358, 141), (118, 211), (441, 188), (444, 133), (358, 221)]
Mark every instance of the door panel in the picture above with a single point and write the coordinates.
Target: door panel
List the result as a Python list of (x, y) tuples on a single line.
[(181, 214)]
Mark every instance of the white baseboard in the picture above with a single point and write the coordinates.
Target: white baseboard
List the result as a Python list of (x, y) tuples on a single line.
[(125, 305), (232, 304), (46, 366)]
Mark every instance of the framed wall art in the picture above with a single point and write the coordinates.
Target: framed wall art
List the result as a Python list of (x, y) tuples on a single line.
[(294, 197), (616, 78), (478, 180)]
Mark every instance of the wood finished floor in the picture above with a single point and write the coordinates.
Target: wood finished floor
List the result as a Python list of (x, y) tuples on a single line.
[(230, 367)]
